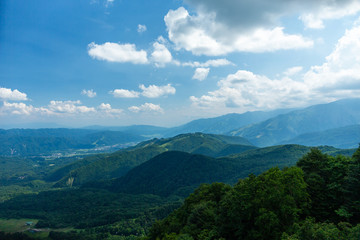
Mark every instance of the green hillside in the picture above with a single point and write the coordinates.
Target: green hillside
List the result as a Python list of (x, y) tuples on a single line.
[(107, 166), (170, 171), (176, 172)]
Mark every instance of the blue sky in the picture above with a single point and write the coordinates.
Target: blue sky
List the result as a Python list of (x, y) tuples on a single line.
[(78, 63)]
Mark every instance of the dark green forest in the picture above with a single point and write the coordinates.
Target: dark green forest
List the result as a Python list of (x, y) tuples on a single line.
[(316, 199)]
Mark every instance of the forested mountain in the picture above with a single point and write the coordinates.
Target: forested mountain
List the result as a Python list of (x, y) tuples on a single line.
[(178, 172), (344, 137), (107, 166), (312, 119), (25, 142), (315, 200)]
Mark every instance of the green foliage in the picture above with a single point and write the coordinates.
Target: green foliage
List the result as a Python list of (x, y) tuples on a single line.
[(311, 201), (80, 208), (310, 230), (326, 177), (260, 207)]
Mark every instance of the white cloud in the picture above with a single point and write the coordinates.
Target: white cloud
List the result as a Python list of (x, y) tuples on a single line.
[(146, 107), (114, 52), (209, 63), (59, 109), (20, 109), (249, 91), (333, 10), (245, 15), (108, 110), (154, 91), (161, 55), (123, 93), (341, 70), (338, 77), (12, 95), (203, 35), (90, 93), (141, 28), (293, 71), (201, 73), (68, 107)]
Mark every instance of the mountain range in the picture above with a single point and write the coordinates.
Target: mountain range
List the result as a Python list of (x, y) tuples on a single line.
[(334, 124), (308, 120)]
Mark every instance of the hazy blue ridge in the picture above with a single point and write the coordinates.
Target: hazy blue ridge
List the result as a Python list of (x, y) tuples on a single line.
[(344, 137), (223, 124), (316, 118)]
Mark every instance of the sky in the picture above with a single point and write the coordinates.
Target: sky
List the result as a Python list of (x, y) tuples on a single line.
[(166, 62)]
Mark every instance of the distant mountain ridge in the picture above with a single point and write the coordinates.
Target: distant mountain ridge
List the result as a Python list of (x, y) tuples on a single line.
[(225, 123), (344, 137), (312, 119)]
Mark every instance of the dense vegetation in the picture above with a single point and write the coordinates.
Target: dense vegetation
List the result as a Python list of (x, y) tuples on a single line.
[(108, 166), (317, 199)]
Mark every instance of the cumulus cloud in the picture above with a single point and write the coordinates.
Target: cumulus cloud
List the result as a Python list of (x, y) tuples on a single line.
[(108, 110), (115, 52), (202, 34), (68, 107), (332, 10), (341, 70), (154, 91), (141, 28), (338, 77), (146, 107), (21, 109), (161, 55), (123, 93), (59, 108), (248, 91), (242, 15), (90, 93), (210, 63), (12, 95), (293, 71), (201, 73)]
